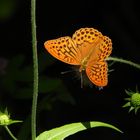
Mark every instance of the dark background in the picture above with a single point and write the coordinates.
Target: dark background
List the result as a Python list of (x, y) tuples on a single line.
[(61, 100)]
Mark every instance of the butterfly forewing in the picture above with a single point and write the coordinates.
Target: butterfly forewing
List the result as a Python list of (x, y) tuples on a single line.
[(97, 73), (86, 35), (87, 40), (64, 49)]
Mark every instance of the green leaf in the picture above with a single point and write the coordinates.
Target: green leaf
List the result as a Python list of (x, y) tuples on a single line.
[(14, 121), (131, 108), (127, 104), (128, 92), (64, 131)]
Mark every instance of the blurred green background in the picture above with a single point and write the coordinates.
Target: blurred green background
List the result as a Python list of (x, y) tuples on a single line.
[(61, 100)]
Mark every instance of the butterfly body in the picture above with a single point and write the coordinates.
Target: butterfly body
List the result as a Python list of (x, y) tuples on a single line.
[(90, 55), (87, 48)]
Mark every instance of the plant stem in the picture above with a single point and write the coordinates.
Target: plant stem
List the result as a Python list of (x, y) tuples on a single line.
[(10, 133), (123, 61), (35, 68)]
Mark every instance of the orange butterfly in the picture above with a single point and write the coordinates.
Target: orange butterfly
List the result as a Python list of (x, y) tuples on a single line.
[(87, 48)]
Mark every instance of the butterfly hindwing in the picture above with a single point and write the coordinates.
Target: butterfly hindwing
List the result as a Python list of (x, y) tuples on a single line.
[(63, 49), (105, 48), (97, 73)]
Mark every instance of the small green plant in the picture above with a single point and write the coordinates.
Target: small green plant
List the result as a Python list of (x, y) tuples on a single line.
[(133, 100), (5, 121)]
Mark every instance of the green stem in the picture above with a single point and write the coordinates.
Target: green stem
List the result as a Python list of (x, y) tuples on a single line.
[(10, 133), (123, 61), (35, 68)]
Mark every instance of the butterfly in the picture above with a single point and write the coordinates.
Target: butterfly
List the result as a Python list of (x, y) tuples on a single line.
[(88, 49)]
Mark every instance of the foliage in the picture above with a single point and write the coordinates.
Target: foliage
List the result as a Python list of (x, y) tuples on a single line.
[(64, 131)]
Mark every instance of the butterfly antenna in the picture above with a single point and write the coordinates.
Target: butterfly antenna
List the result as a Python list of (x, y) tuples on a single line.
[(112, 63), (64, 72), (111, 70)]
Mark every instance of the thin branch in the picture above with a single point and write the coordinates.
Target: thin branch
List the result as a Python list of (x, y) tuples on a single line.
[(35, 68), (123, 61), (10, 133)]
